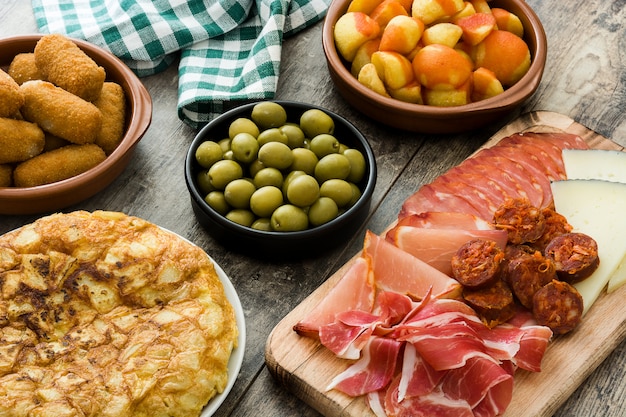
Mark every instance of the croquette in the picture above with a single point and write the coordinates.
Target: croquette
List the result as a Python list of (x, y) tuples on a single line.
[(54, 142), (59, 112), (57, 165), (6, 175), (19, 140), (112, 105), (64, 64), (23, 68), (11, 98)]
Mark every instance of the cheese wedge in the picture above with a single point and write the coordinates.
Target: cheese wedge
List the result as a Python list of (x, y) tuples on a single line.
[(597, 164), (596, 207)]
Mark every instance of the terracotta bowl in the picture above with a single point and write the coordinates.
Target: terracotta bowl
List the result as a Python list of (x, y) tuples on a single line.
[(430, 119), (281, 245), (55, 196)]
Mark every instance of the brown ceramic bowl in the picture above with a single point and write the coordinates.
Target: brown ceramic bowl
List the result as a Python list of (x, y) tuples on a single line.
[(55, 196), (430, 119)]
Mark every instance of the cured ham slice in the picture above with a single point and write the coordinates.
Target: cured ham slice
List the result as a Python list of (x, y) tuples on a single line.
[(435, 403), (372, 372), (398, 271), (436, 247), (354, 291)]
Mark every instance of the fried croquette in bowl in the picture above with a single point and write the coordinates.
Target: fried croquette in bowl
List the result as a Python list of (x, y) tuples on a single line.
[(111, 110)]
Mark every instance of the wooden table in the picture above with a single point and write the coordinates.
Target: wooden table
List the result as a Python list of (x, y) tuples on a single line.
[(584, 80)]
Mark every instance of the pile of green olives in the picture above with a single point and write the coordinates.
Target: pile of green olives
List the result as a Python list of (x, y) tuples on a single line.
[(274, 175)]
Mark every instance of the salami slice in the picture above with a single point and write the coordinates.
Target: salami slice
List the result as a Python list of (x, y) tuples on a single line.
[(531, 165), (429, 198)]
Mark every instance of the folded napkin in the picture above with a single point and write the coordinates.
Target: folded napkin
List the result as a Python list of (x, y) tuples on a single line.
[(229, 50)]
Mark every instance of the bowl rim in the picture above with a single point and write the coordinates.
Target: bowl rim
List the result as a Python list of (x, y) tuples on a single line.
[(140, 118), (523, 88), (311, 233)]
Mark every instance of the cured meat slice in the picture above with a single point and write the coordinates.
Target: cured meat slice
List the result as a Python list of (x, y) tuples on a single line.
[(513, 186), (534, 187), (475, 381), (477, 198), (435, 403), (553, 168), (417, 376), (446, 220), (492, 192), (561, 139), (531, 164), (429, 198), (372, 372), (541, 146), (398, 271), (354, 291), (436, 247)]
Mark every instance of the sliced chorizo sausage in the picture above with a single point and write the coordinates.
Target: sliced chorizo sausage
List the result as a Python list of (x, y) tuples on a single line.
[(494, 304), (559, 306), (477, 263), (527, 273), (575, 256), (523, 222), (555, 224)]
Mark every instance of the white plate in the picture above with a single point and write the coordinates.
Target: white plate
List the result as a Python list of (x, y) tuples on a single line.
[(236, 357)]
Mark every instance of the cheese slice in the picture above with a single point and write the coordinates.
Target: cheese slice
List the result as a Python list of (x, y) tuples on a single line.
[(596, 208), (598, 164)]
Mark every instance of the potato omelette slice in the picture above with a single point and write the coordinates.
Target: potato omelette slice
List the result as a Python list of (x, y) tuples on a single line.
[(105, 314)]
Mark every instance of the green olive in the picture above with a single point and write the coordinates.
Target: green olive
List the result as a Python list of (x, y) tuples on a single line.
[(224, 144), (224, 171), (324, 144), (263, 224), (255, 167), (332, 166), (303, 160), (295, 135), (208, 153), (268, 176), (238, 193), (289, 218), (241, 216), (242, 125), (216, 200), (276, 154), (339, 190), (314, 122), (267, 114), (245, 147), (265, 200), (204, 184), (357, 164), (356, 194), (303, 190), (288, 178), (322, 211), (272, 134)]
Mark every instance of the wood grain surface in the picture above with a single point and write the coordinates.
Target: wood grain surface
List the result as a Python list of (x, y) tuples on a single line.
[(306, 367)]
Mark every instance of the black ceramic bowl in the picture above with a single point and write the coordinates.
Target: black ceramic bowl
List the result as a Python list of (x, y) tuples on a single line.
[(281, 244)]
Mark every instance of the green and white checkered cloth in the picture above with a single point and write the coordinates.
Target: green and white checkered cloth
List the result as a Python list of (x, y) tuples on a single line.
[(230, 50)]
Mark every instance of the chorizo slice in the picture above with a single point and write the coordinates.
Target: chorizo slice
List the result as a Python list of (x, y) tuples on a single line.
[(523, 222), (493, 304), (559, 306), (477, 263), (575, 256), (555, 224), (527, 273)]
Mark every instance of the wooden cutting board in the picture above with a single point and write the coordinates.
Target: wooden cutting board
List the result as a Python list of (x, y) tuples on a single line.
[(305, 367)]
